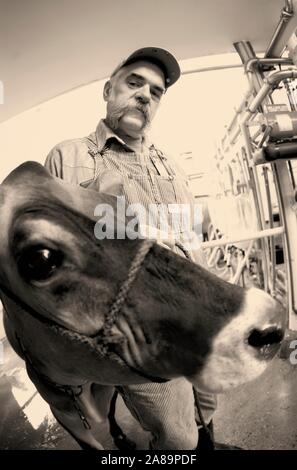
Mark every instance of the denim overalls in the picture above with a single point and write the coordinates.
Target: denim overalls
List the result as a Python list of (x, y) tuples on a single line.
[(167, 409), (146, 179)]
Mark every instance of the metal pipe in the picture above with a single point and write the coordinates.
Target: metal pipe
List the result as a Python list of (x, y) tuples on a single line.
[(252, 63), (259, 206), (246, 53), (287, 13), (250, 236), (244, 104), (277, 77), (265, 136), (269, 83), (270, 217), (247, 96), (292, 174), (286, 204), (244, 50), (279, 151)]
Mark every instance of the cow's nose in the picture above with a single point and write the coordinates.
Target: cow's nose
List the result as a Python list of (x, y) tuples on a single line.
[(266, 341)]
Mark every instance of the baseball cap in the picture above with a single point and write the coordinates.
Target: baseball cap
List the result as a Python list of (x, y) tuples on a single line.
[(158, 56)]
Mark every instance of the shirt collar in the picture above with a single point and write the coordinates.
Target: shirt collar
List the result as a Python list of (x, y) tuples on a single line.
[(104, 133)]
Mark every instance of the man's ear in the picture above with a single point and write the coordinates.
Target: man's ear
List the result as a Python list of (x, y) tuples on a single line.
[(107, 90)]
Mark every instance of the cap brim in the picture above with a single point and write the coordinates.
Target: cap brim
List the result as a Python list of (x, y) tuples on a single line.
[(162, 58)]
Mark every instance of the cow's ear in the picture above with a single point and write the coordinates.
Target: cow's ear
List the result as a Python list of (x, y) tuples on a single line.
[(28, 172)]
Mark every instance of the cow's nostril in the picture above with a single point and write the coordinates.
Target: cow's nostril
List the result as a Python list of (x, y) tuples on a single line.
[(267, 337)]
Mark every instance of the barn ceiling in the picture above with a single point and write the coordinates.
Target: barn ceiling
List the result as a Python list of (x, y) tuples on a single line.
[(48, 47)]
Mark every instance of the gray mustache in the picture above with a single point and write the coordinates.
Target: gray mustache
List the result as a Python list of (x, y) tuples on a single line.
[(144, 109)]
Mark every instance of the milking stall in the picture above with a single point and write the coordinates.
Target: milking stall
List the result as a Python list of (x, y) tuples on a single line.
[(101, 303)]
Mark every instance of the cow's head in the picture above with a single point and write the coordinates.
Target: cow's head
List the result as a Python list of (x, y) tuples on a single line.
[(177, 319)]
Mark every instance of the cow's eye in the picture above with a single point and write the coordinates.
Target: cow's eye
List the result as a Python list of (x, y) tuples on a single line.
[(39, 263)]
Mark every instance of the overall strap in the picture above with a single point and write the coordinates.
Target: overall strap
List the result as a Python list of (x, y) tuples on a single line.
[(94, 151), (164, 161), (92, 147)]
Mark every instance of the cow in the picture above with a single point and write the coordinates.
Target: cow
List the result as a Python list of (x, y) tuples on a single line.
[(87, 314)]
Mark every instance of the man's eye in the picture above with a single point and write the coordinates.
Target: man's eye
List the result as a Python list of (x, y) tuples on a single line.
[(156, 94), (133, 83), (39, 263)]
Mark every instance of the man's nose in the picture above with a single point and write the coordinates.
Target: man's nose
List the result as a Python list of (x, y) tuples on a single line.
[(144, 93)]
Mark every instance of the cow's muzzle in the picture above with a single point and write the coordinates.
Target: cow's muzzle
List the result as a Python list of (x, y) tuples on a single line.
[(242, 350)]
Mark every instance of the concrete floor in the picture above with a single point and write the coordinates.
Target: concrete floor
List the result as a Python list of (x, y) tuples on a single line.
[(259, 415), (262, 414)]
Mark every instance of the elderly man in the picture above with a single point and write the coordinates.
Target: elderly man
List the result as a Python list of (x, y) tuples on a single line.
[(118, 159)]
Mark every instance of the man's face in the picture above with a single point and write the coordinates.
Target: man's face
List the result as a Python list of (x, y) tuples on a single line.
[(133, 97)]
